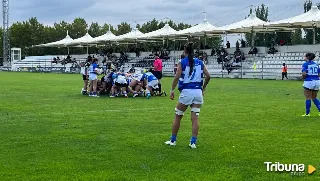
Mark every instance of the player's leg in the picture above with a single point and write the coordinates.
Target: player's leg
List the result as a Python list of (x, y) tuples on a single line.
[(124, 91), (315, 95), (95, 84), (85, 84), (91, 88), (195, 112), (308, 96), (182, 105), (179, 112), (113, 91)]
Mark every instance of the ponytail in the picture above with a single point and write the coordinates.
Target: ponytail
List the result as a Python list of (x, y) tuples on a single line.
[(189, 50)]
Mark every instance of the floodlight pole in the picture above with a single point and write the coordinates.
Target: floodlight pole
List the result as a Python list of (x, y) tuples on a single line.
[(5, 36)]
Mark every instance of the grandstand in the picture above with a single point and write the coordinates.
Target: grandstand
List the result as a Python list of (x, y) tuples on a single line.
[(259, 66)]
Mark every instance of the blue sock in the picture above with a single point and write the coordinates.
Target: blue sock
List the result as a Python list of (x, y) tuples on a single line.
[(193, 140), (173, 138), (317, 103), (308, 106)]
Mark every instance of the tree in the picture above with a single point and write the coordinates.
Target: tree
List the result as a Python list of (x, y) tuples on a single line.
[(95, 30), (123, 28), (78, 28)]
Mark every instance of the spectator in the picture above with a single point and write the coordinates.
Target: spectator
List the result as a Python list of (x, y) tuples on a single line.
[(282, 42), (228, 44), (284, 71), (243, 43), (253, 50), (237, 45)]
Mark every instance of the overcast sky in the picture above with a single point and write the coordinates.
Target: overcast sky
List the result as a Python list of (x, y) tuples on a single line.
[(220, 12)]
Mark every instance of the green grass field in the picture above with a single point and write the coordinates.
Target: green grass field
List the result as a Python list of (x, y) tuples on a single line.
[(49, 131)]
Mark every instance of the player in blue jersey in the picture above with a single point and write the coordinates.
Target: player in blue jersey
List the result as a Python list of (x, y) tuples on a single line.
[(311, 85), (151, 83), (93, 78), (190, 73)]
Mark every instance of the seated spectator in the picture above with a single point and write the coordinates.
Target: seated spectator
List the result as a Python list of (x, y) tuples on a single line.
[(228, 44), (213, 52), (272, 50), (237, 56), (253, 50), (237, 45), (54, 60)]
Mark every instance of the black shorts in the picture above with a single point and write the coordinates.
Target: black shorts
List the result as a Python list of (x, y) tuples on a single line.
[(84, 77), (157, 74), (121, 85)]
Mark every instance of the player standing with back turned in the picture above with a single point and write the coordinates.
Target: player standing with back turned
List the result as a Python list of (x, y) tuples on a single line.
[(190, 76)]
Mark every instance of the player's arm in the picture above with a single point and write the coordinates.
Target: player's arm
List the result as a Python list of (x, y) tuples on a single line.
[(207, 78), (304, 71), (176, 78)]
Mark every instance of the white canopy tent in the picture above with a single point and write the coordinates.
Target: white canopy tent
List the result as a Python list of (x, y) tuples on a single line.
[(310, 19), (197, 30), (132, 35), (160, 33), (103, 38), (243, 26), (83, 41), (61, 43)]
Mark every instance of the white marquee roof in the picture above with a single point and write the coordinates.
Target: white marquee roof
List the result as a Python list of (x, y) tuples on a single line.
[(244, 25), (63, 42), (132, 35), (163, 32), (86, 39), (106, 37), (306, 20), (199, 29)]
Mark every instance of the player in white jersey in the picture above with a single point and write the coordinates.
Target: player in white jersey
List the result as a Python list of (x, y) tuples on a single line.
[(136, 84), (85, 77), (120, 82), (190, 73)]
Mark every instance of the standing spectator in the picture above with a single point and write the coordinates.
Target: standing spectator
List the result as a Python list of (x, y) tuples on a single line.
[(157, 69), (243, 43), (237, 45), (228, 44), (284, 71)]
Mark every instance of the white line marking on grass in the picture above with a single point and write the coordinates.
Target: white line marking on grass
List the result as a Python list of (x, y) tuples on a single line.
[(126, 110)]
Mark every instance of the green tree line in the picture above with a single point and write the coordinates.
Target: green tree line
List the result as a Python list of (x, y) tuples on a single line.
[(27, 33)]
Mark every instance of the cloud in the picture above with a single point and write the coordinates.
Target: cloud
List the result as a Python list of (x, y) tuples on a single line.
[(116, 11)]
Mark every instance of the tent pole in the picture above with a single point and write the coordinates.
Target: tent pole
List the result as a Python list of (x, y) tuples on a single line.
[(174, 50), (205, 40), (87, 49), (314, 35), (68, 51)]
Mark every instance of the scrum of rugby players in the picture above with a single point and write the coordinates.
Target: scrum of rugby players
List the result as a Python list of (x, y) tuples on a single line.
[(119, 84)]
